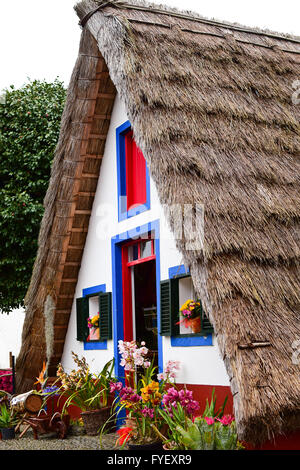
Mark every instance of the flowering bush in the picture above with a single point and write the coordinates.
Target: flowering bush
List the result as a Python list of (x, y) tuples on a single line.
[(140, 395), (145, 394), (211, 431), (207, 433), (6, 383), (82, 388)]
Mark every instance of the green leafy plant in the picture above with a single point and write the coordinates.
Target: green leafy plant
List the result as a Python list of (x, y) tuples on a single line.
[(29, 128), (207, 434), (211, 431), (210, 409), (84, 389), (8, 418)]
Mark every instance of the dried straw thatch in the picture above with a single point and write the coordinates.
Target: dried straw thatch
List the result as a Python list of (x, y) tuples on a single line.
[(212, 109)]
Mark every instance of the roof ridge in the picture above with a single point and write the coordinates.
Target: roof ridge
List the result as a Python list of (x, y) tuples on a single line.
[(144, 5)]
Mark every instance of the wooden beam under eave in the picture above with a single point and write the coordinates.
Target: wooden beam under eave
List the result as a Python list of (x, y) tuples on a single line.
[(60, 331)]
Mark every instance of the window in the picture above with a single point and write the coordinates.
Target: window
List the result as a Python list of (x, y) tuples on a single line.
[(174, 292), (93, 302), (140, 251), (133, 175)]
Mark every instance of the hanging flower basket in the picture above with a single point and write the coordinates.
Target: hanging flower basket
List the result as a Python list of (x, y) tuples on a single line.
[(195, 324), (94, 334), (190, 313), (93, 325)]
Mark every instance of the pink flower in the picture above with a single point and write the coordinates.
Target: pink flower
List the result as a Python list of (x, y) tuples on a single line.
[(127, 393), (226, 420), (148, 412), (209, 420), (132, 356), (170, 371), (115, 386)]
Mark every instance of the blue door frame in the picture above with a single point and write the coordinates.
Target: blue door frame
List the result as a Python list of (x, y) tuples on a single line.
[(117, 288)]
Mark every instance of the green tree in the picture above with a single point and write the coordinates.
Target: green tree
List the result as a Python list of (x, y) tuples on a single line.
[(29, 128)]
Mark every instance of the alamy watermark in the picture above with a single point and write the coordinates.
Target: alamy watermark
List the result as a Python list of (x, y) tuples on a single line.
[(185, 223)]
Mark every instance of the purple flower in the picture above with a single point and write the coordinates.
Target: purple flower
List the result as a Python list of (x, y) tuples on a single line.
[(50, 390), (184, 397), (127, 393)]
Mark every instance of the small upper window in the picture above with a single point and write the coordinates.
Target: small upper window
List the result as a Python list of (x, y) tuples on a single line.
[(181, 313), (133, 175)]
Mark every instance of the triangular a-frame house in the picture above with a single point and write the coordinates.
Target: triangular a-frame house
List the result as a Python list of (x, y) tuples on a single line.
[(213, 108)]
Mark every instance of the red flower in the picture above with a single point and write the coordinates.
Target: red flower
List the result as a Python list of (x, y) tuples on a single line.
[(124, 434)]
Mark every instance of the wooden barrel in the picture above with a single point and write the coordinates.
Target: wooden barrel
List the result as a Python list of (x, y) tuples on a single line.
[(30, 402)]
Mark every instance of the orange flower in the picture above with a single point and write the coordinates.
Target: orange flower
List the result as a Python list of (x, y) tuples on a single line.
[(41, 378)]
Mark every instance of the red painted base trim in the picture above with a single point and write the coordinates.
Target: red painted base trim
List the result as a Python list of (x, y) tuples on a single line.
[(201, 393)]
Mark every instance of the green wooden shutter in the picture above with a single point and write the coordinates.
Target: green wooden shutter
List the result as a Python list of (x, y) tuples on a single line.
[(82, 313), (105, 311), (169, 307)]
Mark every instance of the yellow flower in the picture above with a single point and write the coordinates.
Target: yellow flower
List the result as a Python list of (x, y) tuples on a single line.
[(95, 319), (127, 404), (145, 397), (153, 386), (186, 305), (150, 393)]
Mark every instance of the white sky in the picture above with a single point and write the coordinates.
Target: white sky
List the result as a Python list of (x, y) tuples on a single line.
[(39, 39)]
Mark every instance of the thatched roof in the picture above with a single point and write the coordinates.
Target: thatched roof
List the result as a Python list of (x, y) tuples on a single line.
[(212, 110)]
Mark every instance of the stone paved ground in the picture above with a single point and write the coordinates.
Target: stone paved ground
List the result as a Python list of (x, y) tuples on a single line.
[(79, 441)]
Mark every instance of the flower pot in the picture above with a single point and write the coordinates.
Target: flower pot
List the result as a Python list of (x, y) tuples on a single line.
[(94, 334), (7, 433), (94, 420), (195, 324), (157, 445)]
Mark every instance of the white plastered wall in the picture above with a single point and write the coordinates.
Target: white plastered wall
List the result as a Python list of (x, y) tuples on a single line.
[(11, 327), (199, 365)]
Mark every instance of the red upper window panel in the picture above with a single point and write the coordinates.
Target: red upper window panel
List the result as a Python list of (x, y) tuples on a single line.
[(136, 184)]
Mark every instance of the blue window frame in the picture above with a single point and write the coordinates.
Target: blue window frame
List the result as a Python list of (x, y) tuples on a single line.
[(179, 341), (90, 291), (123, 213)]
